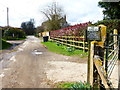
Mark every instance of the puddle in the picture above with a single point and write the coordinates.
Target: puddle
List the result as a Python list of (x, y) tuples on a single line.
[(35, 52), (2, 75)]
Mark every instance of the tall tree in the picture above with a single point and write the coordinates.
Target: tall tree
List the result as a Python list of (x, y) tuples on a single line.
[(111, 9), (39, 29), (24, 26), (55, 17), (28, 27), (53, 11)]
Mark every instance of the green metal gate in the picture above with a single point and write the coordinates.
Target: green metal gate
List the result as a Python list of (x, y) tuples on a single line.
[(112, 51), (103, 56), (105, 59)]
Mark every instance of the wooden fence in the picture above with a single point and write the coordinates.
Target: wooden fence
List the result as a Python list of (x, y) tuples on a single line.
[(70, 41), (72, 36)]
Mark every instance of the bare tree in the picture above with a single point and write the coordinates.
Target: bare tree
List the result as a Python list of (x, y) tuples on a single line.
[(53, 10), (55, 17)]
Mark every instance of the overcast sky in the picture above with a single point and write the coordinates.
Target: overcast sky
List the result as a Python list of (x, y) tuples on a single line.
[(77, 11)]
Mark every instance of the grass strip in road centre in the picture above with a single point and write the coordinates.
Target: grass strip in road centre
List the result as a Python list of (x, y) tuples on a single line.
[(62, 49)]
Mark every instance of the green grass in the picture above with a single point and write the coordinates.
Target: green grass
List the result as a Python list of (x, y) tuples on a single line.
[(5, 45), (64, 50), (64, 85), (74, 86), (11, 38), (16, 38)]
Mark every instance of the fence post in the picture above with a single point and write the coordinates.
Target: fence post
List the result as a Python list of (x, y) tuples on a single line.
[(88, 67), (83, 43), (107, 52), (90, 63), (115, 38)]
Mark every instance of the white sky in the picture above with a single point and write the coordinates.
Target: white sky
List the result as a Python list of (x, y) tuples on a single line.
[(77, 11)]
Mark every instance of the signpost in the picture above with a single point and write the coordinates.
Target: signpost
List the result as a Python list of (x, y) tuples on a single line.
[(95, 35)]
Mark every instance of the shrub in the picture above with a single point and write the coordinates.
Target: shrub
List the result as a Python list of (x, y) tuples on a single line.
[(82, 86), (13, 33), (74, 86), (58, 44), (70, 49), (111, 24), (5, 45)]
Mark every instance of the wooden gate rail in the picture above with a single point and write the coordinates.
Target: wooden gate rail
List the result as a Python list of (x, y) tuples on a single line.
[(101, 71), (69, 41)]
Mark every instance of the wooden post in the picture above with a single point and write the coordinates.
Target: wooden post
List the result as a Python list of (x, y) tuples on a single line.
[(66, 38), (90, 63), (83, 43), (115, 39), (101, 74), (62, 41), (88, 67)]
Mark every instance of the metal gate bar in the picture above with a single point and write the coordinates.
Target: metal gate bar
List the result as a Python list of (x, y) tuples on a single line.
[(111, 56)]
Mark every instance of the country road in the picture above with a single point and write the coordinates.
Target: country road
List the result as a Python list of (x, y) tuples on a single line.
[(31, 65), (25, 68)]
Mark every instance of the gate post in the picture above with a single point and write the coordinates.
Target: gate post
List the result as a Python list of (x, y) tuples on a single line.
[(95, 38), (115, 38), (90, 62)]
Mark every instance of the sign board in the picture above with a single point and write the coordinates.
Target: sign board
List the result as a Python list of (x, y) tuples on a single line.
[(93, 33)]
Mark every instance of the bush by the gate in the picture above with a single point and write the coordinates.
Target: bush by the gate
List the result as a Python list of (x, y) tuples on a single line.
[(75, 86), (111, 24)]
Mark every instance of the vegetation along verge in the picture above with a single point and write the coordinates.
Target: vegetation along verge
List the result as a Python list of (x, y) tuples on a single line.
[(74, 86), (64, 50), (5, 45)]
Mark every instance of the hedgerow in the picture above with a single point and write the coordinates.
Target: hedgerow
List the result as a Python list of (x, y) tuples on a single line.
[(111, 24), (12, 33)]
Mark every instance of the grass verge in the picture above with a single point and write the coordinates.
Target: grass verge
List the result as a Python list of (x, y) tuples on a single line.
[(75, 86), (64, 50), (64, 85), (11, 38), (5, 45)]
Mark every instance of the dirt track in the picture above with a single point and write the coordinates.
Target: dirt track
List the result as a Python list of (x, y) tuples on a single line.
[(31, 65)]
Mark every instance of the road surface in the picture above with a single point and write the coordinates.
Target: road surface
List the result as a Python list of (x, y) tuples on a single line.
[(26, 68), (31, 65)]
